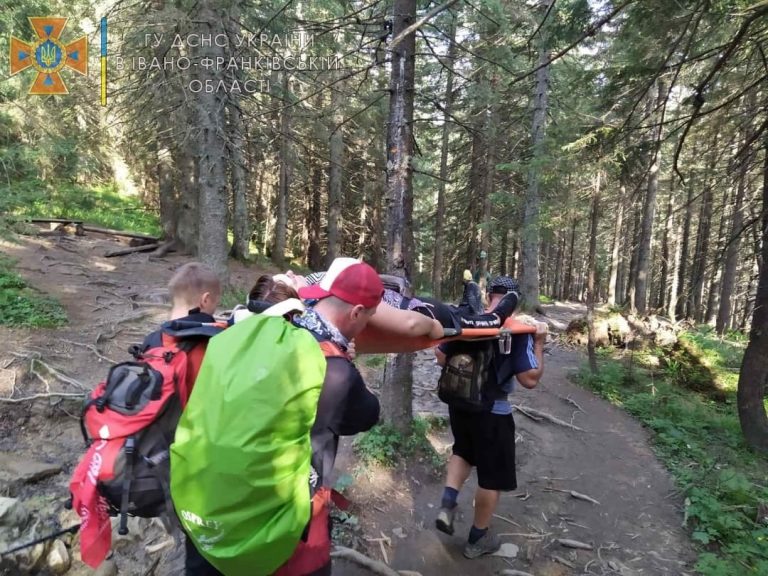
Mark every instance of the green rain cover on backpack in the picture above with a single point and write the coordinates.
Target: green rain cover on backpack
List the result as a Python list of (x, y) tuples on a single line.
[(240, 462)]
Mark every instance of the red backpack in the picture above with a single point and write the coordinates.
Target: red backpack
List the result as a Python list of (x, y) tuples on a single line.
[(128, 424)]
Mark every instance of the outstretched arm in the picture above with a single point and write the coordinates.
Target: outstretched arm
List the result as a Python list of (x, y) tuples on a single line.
[(530, 378), (405, 322)]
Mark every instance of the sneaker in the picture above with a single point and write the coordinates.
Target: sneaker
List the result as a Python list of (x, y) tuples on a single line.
[(487, 544), (444, 520)]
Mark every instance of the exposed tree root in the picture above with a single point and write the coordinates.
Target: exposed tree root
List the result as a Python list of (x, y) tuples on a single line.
[(534, 414)]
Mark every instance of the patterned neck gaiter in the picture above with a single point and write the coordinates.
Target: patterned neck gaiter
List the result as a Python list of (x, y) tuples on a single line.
[(317, 324)]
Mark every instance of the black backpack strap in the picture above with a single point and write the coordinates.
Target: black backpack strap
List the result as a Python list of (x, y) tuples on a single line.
[(83, 430), (130, 446)]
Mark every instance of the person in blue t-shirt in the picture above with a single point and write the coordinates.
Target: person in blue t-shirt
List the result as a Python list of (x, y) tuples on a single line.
[(486, 440)]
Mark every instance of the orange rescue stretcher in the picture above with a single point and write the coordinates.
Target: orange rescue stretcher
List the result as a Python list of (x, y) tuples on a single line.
[(375, 341)]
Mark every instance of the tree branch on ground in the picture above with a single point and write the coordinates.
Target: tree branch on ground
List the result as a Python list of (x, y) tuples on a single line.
[(532, 413), (374, 566), (39, 396)]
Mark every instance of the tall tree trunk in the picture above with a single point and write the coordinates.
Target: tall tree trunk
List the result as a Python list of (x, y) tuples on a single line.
[(241, 229), (504, 248), (529, 279), (713, 295), (476, 187), (437, 263), (701, 251), (398, 380), (490, 173), (557, 288), (187, 182), (680, 305), (214, 198), (753, 378), (698, 270), (546, 250), (515, 256), (283, 185), (336, 147), (165, 150), (377, 222), (568, 288), (666, 248), (314, 251), (378, 211), (649, 209), (732, 250), (634, 246), (616, 248), (674, 276), (592, 273), (749, 304), (167, 193)]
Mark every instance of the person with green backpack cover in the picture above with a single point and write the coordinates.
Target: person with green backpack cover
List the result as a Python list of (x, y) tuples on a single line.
[(251, 462)]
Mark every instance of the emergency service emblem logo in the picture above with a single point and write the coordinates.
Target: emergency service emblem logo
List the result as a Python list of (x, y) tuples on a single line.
[(48, 56)]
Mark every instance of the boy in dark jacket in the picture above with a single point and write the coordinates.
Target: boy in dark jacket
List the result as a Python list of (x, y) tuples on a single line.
[(195, 294)]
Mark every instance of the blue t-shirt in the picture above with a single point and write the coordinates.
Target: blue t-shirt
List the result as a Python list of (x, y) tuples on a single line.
[(520, 359)]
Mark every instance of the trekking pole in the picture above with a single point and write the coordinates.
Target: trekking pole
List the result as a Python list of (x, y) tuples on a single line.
[(70, 530)]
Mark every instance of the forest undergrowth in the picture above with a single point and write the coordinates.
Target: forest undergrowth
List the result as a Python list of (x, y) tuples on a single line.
[(697, 435)]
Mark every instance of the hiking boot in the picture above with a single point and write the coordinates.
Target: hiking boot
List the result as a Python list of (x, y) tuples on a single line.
[(506, 306), (444, 520), (487, 544)]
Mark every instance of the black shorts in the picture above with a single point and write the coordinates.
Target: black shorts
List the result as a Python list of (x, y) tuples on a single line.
[(195, 563), (486, 441)]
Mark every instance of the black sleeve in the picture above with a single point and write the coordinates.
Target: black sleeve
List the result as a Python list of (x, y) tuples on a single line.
[(346, 406)]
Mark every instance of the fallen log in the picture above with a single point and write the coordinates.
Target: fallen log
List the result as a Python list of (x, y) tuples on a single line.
[(145, 248), (59, 226), (55, 221), (112, 232)]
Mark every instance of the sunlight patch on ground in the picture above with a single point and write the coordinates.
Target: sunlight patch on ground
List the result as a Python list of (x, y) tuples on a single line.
[(106, 267), (441, 443), (9, 248)]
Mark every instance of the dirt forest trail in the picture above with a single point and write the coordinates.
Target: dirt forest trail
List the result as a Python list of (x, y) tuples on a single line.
[(636, 529)]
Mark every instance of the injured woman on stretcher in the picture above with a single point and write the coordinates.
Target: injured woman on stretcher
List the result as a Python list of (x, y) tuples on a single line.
[(401, 323)]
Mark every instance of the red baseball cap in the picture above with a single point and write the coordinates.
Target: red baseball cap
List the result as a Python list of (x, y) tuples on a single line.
[(350, 280)]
